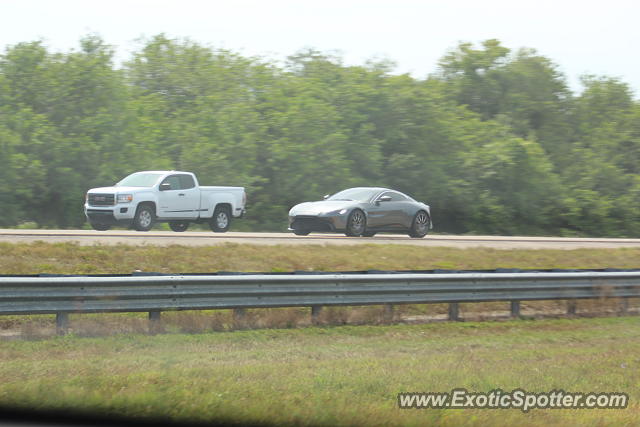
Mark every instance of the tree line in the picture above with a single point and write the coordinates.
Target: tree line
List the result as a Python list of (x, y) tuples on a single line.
[(494, 140)]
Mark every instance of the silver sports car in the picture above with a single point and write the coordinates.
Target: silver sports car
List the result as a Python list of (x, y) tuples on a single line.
[(362, 211)]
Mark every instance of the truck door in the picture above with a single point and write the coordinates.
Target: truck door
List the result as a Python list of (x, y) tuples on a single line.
[(178, 202), (191, 196)]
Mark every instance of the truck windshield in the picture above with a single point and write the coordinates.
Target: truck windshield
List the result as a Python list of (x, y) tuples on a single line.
[(140, 180)]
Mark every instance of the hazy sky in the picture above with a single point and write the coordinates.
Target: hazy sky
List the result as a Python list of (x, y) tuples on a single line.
[(579, 36)]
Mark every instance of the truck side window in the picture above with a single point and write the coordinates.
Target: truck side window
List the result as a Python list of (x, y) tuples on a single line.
[(174, 180), (186, 182)]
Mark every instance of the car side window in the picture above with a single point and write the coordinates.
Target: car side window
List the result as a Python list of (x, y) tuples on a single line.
[(186, 182), (174, 181), (395, 197)]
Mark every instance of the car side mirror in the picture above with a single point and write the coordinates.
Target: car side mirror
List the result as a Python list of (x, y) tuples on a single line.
[(165, 186), (326, 196), (384, 199)]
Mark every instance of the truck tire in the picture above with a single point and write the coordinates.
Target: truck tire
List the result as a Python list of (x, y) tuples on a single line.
[(144, 218), (178, 226), (221, 219)]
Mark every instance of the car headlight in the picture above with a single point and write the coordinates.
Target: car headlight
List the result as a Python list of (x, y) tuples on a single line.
[(338, 212), (125, 198)]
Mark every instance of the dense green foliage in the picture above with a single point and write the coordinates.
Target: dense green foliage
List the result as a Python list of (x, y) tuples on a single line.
[(494, 141)]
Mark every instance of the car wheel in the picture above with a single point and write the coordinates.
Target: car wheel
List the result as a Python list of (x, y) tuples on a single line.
[(356, 223), (221, 220), (368, 234), (100, 227), (144, 218), (301, 232), (420, 225), (178, 226)]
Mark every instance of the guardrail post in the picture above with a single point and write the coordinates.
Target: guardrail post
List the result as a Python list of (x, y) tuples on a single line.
[(315, 314), (515, 308), (624, 305), (239, 317), (454, 311), (571, 306), (387, 315), (62, 323), (154, 321)]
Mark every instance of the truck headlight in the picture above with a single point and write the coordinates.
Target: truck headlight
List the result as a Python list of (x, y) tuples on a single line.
[(125, 198)]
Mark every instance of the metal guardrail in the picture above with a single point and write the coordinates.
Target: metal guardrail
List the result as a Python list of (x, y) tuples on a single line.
[(156, 293)]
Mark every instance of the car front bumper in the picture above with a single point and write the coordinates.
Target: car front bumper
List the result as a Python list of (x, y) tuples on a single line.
[(327, 223)]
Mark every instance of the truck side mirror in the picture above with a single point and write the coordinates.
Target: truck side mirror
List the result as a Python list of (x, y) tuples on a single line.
[(165, 186), (326, 196)]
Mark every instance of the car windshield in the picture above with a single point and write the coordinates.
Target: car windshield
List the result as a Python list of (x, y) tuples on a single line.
[(140, 180), (357, 194)]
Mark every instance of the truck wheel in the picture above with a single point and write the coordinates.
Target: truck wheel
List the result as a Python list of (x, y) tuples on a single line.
[(143, 220), (178, 226), (221, 220), (100, 227)]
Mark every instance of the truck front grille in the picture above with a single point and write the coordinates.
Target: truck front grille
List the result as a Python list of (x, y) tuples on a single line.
[(101, 199)]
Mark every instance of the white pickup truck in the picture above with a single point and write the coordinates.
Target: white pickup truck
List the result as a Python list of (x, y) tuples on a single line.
[(175, 197)]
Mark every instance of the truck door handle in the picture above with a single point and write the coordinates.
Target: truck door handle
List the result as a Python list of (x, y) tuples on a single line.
[(181, 194)]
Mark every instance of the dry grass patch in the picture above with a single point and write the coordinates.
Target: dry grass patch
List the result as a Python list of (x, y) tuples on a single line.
[(70, 258)]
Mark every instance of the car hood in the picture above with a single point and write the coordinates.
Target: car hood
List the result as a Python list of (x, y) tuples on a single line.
[(320, 207)]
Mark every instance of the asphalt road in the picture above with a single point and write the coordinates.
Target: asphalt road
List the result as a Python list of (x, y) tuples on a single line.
[(204, 238)]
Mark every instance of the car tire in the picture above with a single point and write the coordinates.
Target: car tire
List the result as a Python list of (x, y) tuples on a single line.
[(356, 223), (221, 219), (100, 227), (178, 226), (301, 232), (420, 225), (368, 234), (144, 218)]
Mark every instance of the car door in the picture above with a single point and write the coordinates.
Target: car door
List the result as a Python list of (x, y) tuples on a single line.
[(389, 211), (403, 210), (381, 213)]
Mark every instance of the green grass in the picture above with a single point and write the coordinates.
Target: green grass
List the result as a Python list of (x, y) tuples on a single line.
[(347, 375)]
